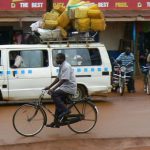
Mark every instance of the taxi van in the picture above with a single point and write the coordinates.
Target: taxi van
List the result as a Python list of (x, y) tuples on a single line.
[(91, 65)]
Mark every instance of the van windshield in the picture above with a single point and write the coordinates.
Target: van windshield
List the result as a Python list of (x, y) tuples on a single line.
[(80, 56)]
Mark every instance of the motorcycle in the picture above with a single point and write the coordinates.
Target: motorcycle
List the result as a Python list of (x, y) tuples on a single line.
[(119, 77)]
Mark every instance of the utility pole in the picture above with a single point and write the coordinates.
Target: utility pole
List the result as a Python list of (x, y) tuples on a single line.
[(49, 5)]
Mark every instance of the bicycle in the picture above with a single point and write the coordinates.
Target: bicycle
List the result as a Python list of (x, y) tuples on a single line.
[(82, 119)]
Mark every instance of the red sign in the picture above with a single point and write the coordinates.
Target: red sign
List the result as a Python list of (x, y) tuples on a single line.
[(116, 4), (9, 5)]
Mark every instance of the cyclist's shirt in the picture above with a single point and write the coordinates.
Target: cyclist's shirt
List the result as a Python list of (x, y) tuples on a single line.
[(66, 72)]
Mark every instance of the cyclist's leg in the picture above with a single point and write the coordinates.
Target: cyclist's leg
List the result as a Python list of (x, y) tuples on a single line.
[(58, 97)]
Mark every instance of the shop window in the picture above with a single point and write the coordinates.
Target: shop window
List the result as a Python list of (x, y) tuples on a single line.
[(28, 59), (80, 56)]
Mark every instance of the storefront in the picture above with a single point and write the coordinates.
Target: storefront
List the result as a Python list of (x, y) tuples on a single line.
[(123, 18), (16, 17)]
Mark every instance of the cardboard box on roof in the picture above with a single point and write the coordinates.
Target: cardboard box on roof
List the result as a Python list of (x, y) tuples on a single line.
[(71, 9), (92, 6), (98, 14), (81, 12), (53, 15), (50, 24), (63, 32), (98, 24), (63, 20), (72, 2), (59, 8), (82, 25)]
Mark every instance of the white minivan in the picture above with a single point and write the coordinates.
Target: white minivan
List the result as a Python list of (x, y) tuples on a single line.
[(90, 62)]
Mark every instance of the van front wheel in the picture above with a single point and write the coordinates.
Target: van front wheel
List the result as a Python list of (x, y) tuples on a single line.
[(81, 92)]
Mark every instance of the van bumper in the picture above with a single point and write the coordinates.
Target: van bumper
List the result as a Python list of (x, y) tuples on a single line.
[(102, 89)]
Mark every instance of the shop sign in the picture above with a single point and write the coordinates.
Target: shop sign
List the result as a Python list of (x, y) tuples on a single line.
[(116, 4), (18, 5)]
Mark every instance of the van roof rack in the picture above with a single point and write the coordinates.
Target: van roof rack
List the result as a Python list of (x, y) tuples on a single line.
[(74, 38)]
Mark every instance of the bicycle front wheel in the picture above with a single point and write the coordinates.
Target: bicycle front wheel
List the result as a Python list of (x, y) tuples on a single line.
[(28, 120), (89, 112)]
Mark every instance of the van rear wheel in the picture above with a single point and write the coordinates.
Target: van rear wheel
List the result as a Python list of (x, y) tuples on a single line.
[(81, 92)]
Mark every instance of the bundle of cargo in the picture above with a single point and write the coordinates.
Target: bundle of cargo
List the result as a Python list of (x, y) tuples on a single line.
[(87, 16), (82, 16)]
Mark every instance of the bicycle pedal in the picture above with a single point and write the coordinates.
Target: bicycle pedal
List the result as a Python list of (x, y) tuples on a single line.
[(61, 119)]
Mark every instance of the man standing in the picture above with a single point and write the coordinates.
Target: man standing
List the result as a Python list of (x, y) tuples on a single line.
[(125, 58), (63, 85)]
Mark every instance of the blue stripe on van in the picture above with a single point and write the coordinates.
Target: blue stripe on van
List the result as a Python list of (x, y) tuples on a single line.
[(22, 71), (85, 69), (8, 72), (79, 69), (105, 69), (92, 69), (99, 69), (15, 72), (1, 72), (29, 71)]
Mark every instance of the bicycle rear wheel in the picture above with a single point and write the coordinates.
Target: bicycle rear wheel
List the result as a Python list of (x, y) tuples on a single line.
[(28, 120), (89, 112)]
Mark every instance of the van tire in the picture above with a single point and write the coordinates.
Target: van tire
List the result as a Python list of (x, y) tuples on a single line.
[(81, 93)]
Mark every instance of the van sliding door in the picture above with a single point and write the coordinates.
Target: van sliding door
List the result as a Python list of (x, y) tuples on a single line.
[(28, 78)]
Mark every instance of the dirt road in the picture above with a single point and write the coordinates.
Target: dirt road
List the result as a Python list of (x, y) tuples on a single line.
[(123, 124)]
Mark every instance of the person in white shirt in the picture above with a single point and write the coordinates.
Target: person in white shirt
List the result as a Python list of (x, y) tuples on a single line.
[(18, 61)]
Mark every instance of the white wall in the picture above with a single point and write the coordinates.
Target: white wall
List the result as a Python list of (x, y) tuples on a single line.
[(112, 35)]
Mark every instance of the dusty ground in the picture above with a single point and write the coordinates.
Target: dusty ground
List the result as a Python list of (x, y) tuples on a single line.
[(85, 144), (123, 124)]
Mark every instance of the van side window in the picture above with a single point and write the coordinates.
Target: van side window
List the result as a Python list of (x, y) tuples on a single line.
[(79, 56), (28, 59)]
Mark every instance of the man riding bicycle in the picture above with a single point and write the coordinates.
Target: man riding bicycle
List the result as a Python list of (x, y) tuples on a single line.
[(64, 84)]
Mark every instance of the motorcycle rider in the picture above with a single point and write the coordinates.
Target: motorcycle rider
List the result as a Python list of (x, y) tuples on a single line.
[(125, 58)]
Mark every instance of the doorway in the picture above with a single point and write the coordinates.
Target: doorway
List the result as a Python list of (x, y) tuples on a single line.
[(6, 35)]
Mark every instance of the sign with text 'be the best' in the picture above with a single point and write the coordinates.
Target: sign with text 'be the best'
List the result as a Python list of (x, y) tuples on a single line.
[(21, 5)]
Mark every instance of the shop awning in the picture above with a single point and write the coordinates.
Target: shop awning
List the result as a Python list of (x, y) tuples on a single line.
[(127, 15), (17, 16), (110, 15)]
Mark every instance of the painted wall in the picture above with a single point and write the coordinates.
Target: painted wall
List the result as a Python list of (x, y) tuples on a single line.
[(112, 35)]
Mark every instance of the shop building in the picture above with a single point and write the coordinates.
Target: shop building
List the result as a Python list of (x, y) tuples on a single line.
[(16, 17), (128, 24)]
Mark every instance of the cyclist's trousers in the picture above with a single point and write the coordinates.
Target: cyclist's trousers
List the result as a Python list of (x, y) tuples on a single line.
[(59, 97)]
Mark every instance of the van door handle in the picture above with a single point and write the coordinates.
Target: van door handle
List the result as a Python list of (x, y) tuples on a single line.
[(13, 72)]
